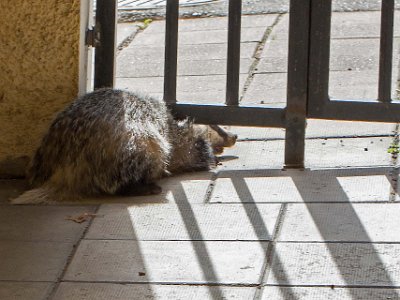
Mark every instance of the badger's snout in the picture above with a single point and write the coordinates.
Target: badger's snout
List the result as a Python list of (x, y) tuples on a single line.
[(220, 139), (230, 140)]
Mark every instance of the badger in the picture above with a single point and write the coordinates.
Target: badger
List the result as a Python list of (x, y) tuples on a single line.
[(116, 142)]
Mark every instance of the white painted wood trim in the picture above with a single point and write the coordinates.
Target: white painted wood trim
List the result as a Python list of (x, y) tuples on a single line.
[(85, 52)]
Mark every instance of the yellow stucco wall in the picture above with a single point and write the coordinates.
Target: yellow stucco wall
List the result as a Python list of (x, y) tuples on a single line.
[(39, 68)]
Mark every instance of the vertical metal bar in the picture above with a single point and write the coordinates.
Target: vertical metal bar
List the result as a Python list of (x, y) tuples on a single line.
[(297, 84), (386, 51), (320, 39), (171, 51), (106, 27), (233, 62)]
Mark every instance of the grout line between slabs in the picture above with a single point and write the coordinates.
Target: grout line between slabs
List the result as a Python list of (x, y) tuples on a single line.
[(129, 39), (394, 174), (250, 285), (210, 188), (334, 286), (266, 270), (187, 240), (308, 202), (71, 257), (241, 241), (257, 55), (24, 281), (166, 283)]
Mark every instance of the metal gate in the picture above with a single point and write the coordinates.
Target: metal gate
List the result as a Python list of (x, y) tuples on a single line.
[(308, 73)]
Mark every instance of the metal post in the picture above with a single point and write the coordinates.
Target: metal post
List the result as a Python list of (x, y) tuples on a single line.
[(386, 51), (299, 32), (105, 31), (171, 51), (319, 57), (233, 63)]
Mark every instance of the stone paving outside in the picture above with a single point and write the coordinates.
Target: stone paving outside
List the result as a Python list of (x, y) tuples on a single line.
[(248, 229)]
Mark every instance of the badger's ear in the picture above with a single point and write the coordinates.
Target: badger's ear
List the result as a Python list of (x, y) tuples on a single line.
[(183, 124)]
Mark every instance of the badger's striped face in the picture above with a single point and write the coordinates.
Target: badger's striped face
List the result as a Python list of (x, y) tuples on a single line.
[(220, 138), (203, 155)]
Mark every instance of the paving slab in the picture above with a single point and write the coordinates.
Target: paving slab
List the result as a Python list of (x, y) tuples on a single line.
[(327, 264), (328, 293), (36, 223), (358, 58), (319, 153), (169, 262), (25, 290), (328, 128), (350, 152), (11, 188), (274, 57), (187, 187), (253, 155), (251, 7), (360, 24), (329, 185), (221, 23), (33, 261), (266, 90), (318, 129), (341, 222), (256, 133), (359, 54), (144, 38), (281, 29), (355, 85), (140, 69), (185, 222), (190, 187), (115, 291), (125, 30), (185, 52), (149, 85), (345, 54), (270, 88), (188, 52), (190, 89), (345, 25)]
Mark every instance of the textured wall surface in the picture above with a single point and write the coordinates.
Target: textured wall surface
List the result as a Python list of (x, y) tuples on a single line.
[(39, 58)]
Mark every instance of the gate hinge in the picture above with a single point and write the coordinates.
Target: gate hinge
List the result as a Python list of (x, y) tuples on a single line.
[(91, 38)]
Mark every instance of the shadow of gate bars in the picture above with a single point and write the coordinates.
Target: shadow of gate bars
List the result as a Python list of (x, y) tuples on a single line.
[(307, 79)]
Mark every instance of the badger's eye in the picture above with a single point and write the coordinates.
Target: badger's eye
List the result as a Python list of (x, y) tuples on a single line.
[(199, 144)]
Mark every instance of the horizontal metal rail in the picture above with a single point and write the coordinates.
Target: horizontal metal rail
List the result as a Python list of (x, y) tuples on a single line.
[(231, 115), (359, 111)]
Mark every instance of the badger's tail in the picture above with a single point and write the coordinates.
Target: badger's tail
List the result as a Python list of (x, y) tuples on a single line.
[(41, 195)]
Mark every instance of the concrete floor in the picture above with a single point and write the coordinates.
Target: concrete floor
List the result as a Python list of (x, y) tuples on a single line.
[(248, 229)]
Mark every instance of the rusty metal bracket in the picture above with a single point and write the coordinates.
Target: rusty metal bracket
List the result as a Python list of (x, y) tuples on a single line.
[(92, 38)]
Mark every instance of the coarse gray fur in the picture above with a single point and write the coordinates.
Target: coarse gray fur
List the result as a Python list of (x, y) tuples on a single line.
[(114, 142)]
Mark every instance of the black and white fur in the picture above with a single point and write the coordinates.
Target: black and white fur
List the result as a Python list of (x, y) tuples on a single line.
[(114, 142)]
